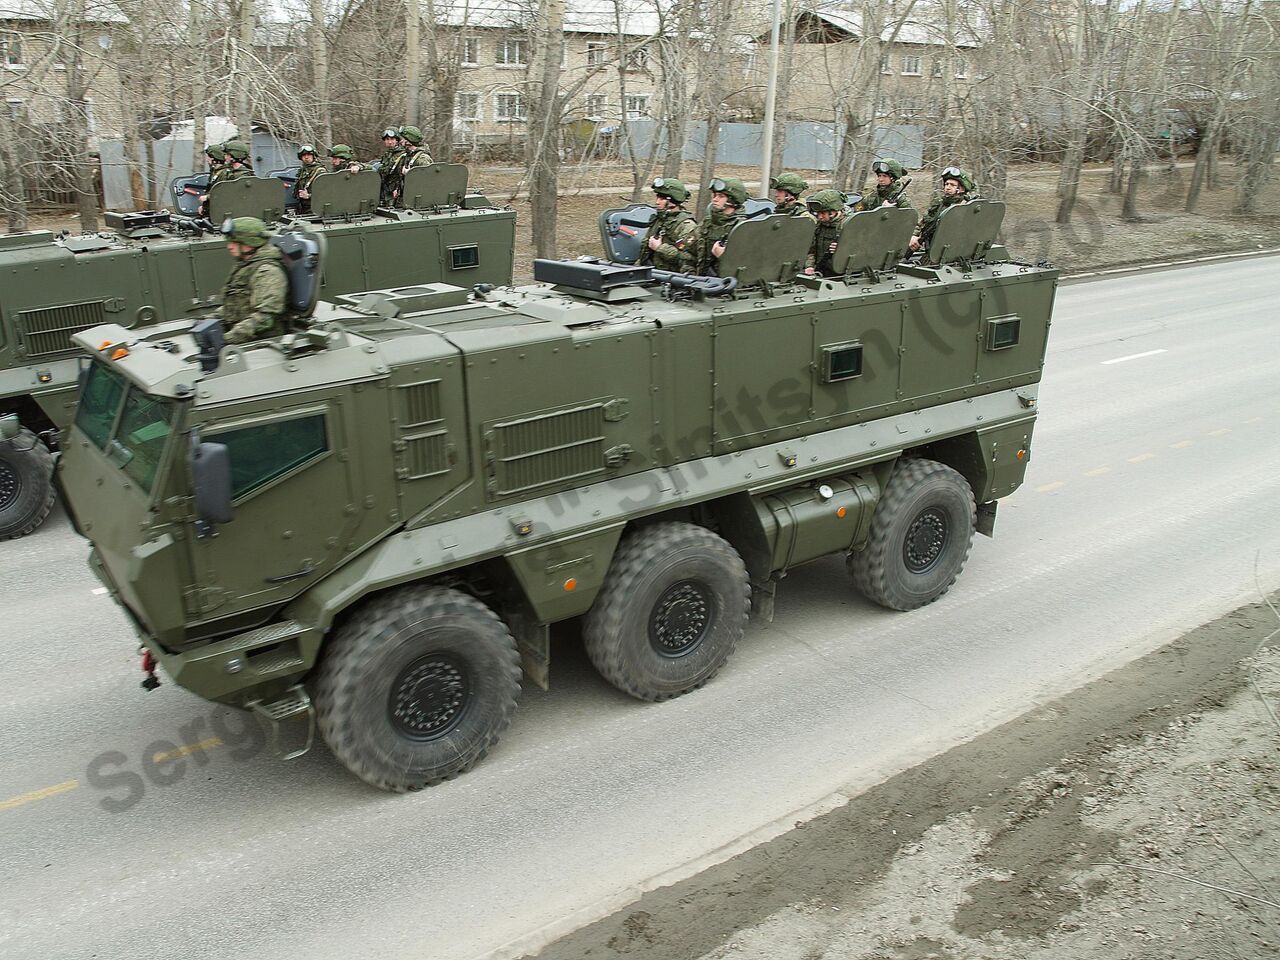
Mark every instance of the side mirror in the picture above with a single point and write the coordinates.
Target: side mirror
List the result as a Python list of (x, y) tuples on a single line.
[(209, 342), (211, 477), (9, 426)]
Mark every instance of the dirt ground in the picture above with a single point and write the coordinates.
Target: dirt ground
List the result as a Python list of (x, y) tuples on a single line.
[(1134, 819)]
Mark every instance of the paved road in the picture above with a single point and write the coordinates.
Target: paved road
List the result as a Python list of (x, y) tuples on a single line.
[(1154, 484)]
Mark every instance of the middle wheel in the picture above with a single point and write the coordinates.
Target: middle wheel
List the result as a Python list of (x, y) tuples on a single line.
[(672, 608)]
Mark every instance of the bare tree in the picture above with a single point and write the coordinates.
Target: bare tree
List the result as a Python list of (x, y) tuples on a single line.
[(543, 144)]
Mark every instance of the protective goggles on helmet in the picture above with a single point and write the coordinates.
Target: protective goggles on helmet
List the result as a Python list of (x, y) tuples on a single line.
[(659, 182), (953, 172), (718, 186), (881, 166), (228, 227), (391, 132)]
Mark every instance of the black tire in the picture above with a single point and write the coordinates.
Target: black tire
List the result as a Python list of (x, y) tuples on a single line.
[(371, 707), (26, 487), (920, 537), (673, 606)]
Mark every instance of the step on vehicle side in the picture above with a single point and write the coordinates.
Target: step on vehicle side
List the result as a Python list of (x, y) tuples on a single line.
[(372, 524), (159, 266)]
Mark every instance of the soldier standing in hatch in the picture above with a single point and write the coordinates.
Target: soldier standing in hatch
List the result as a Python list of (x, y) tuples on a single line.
[(413, 156), (307, 174), (238, 165), (255, 295), (343, 159), (217, 170), (666, 242), (957, 187), (391, 153), (891, 188), (787, 191), (828, 206), (706, 245)]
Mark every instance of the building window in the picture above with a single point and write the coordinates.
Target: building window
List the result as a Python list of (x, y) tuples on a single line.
[(512, 52), (910, 106), (911, 66), (637, 108), (597, 53), (597, 106), (935, 69), (884, 64), (509, 106), (15, 109), (471, 51), (962, 68), (468, 106), (11, 49), (883, 105), (637, 59)]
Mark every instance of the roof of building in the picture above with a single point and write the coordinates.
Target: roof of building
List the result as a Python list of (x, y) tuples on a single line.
[(47, 11), (922, 28)]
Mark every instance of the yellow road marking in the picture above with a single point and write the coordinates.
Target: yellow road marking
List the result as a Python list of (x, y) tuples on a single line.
[(1181, 444), (1219, 432), (187, 750), (1050, 486), (35, 795), (1142, 456), (1097, 471), (1254, 420)]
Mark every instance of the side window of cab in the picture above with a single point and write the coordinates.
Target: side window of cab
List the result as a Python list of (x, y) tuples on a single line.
[(264, 454)]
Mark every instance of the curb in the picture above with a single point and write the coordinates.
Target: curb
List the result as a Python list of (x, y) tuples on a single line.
[(1091, 275)]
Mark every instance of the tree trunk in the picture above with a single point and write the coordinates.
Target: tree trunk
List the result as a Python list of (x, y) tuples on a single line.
[(708, 163), (13, 181), (319, 44), (543, 142), (1136, 170), (1208, 147), (198, 41), (412, 63), (243, 75)]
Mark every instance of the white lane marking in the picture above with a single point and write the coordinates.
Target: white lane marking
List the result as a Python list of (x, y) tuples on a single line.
[(98, 591), (1134, 356)]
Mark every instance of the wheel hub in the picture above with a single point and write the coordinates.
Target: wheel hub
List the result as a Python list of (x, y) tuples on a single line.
[(680, 619), (429, 697), (926, 539), (10, 485)]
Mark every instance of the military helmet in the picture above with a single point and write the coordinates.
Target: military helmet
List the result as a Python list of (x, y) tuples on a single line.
[(236, 150), (960, 176), (671, 188), (391, 132), (307, 148), (342, 151), (826, 201), (789, 182), (250, 231), (731, 187), (411, 135), (892, 167), (214, 151)]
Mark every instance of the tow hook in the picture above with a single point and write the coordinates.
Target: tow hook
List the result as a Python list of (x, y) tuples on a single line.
[(149, 668)]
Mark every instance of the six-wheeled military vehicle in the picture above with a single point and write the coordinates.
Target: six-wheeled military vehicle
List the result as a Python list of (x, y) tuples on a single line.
[(157, 266), (372, 524)]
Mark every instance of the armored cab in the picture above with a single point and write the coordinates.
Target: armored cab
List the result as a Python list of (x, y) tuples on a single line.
[(374, 523), (156, 266)]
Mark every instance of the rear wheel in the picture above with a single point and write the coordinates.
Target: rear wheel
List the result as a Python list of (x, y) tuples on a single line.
[(416, 686), (26, 487), (673, 607), (921, 533)]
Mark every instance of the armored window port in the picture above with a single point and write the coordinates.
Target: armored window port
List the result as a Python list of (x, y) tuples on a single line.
[(841, 361), (1003, 332)]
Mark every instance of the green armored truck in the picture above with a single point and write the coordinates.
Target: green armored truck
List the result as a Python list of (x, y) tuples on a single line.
[(156, 266), (372, 524)]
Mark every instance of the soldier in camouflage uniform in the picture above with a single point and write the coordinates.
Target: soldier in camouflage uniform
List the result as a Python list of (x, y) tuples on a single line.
[(667, 239), (391, 153), (307, 174), (787, 190), (828, 206), (238, 165), (891, 187), (256, 295), (413, 156), (343, 159), (957, 187), (706, 245), (217, 170)]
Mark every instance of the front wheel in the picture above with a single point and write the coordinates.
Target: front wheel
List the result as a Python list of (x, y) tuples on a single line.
[(672, 608), (921, 533), (26, 484), (416, 686)]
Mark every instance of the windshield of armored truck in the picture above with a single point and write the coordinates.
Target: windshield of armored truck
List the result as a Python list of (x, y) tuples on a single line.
[(129, 424)]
